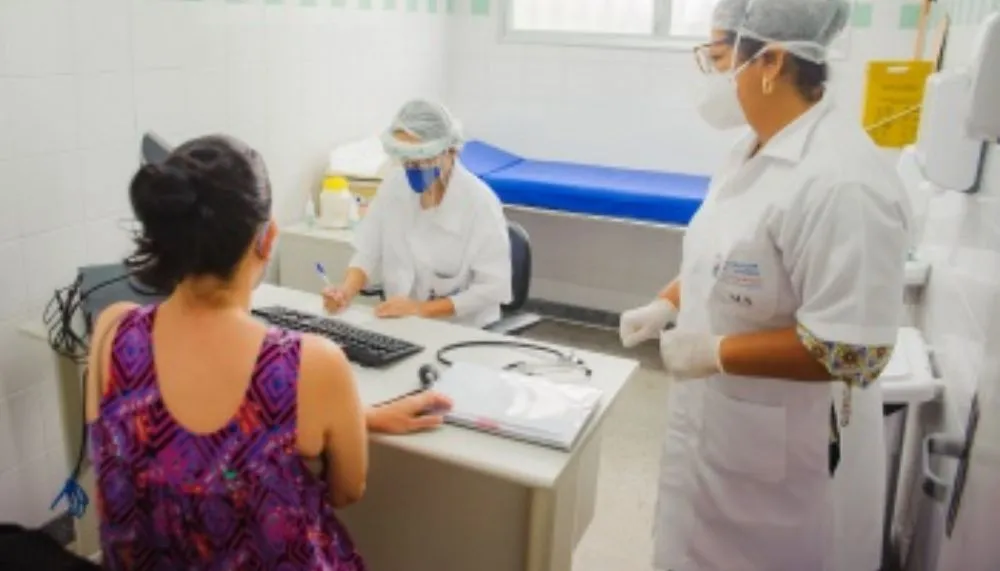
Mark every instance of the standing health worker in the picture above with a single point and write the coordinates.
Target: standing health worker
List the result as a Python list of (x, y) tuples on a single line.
[(790, 288), (435, 234)]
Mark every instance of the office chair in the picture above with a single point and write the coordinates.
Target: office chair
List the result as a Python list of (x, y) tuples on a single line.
[(154, 150), (513, 320)]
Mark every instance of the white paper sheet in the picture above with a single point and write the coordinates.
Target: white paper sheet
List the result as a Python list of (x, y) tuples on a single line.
[(529, 408)]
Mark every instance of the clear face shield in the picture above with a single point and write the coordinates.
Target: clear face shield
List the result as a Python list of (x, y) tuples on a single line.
[(720, 106)]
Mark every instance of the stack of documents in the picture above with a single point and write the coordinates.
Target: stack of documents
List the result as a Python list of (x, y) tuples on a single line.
[(528, 408)]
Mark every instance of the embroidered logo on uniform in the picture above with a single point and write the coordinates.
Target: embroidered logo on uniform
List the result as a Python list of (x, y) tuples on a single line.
[(741, 274)]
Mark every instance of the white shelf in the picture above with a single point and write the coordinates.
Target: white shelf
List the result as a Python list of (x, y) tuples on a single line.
[(910, 379)]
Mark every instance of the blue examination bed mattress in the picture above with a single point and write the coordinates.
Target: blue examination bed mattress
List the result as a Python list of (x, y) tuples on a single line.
[(647, 196)]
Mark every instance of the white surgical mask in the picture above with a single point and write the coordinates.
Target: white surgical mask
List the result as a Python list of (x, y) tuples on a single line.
[(720, 106)]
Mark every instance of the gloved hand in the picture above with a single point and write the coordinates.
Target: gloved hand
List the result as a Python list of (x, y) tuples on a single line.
[(646, 322), (690, 355)]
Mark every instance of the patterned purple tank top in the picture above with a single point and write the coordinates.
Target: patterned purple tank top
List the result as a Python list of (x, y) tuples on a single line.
[(239, 498)]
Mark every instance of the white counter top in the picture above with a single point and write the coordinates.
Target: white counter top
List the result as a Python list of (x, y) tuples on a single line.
[(908, 379)]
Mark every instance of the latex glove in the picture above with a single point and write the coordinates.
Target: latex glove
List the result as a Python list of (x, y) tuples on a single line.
[(415, 413), (397, 307), (646, 323), (336, 299), (690, 355)]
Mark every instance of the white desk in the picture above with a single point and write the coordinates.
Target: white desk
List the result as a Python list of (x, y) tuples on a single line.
[(302, 246), (457, 499)]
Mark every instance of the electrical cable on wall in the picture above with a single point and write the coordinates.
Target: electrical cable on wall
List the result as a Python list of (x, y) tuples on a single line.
[(59, 314)]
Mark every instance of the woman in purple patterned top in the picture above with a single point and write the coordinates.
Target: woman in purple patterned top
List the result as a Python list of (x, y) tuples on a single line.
[(201, 417)]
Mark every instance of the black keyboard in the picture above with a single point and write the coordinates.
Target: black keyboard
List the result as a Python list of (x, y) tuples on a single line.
[(361, 346)]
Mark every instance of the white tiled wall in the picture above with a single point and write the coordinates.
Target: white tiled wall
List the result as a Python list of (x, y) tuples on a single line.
[(81, 80), (961, 320)]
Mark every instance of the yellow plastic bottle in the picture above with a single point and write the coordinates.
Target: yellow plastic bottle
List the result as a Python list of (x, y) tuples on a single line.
[(337, 207)]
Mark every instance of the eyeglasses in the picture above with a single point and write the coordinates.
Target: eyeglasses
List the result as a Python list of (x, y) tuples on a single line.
[(421, 163), (704, 58)]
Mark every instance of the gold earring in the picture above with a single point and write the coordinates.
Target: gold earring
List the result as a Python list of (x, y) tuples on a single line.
[(767, 86)]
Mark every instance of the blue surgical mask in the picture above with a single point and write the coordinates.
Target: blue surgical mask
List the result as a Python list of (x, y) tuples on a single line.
[(421, 178)]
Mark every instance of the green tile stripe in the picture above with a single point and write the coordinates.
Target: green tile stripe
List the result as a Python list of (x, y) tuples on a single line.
[(475, 7), (909, 16), (961, 12), (480, 7), (861, 15)]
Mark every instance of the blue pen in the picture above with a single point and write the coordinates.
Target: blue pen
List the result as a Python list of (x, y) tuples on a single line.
[(322, 274)]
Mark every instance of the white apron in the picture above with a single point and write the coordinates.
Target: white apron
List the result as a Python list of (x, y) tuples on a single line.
[(745, 482), (859, 484)]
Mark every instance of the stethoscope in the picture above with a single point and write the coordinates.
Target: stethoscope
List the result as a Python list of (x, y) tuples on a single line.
[(563, 362)]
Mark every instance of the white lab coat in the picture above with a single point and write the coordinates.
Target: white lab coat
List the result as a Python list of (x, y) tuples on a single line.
[(459, 249), (811, 230)]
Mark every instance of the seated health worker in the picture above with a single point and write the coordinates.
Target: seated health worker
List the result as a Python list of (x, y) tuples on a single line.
[(201, 417), (790, 293), (434, 237)]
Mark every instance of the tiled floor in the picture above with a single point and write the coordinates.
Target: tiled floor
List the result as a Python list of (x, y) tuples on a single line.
[(619, 538)]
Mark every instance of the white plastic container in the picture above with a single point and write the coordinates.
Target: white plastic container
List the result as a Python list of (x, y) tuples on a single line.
[(948, 156), (337, 206)]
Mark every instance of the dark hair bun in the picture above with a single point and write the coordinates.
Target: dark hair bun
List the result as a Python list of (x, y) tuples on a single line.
[(199, 211), (163, 191)]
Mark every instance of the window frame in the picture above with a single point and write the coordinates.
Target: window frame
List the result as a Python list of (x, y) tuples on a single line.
[(659, 40)]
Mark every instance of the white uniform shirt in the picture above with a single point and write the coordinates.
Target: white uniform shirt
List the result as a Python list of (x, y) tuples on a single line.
[(812, 230), (818, 222), (459, 249)]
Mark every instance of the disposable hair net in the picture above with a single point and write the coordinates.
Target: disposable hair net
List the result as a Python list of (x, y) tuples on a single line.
[(430, 123), (805, 28)]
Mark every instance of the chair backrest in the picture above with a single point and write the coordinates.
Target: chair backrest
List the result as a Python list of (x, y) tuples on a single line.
[(520, 259)]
